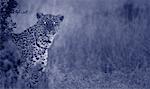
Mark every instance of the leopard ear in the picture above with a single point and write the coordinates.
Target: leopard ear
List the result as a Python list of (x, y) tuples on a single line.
[(39, 15), (61, 18)]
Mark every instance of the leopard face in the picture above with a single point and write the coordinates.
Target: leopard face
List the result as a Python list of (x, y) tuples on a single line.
[(49, 22), (48, 27)]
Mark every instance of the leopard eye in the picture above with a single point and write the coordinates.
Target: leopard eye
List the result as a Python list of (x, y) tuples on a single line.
[(54, 22), (45, 22)]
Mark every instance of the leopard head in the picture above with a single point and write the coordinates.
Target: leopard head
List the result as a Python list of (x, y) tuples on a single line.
[(49, 22)]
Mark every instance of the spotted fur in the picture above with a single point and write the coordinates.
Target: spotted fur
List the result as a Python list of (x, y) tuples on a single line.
[(34, 42)]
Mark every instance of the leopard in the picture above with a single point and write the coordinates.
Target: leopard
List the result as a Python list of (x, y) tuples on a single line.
[(33, 44)]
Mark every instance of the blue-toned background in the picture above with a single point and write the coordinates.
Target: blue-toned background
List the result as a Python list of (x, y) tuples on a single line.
[(102, 44)]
